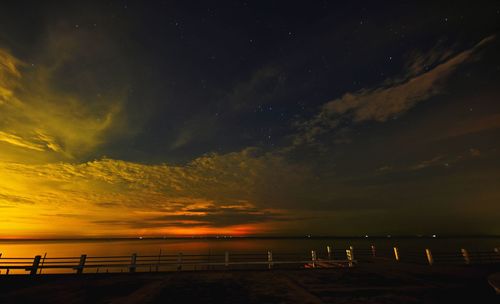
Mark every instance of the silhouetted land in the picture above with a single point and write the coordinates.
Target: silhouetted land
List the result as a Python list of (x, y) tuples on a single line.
[(379, 282)]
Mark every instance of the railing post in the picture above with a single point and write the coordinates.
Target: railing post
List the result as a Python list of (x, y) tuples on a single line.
[(348, 253), (36, 262), (159, 259), (81, 264), (43, 262), (428, 253), (313, 258), (179, 261), (269, 259), (466, 256), (329, 252), (374, 251), (133, 262), (396, 254), (352, 251), (226, 259)]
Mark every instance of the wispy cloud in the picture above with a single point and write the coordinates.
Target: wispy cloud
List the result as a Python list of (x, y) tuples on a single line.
[(35, 115), (423, 79)]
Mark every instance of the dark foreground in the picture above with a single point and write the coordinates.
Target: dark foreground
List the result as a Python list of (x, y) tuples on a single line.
[(379, 282)]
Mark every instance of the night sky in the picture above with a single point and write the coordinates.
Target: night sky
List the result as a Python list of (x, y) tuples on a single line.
[(142, 118)]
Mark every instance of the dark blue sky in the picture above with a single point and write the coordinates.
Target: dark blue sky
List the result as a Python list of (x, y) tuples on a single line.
[(375, 112)]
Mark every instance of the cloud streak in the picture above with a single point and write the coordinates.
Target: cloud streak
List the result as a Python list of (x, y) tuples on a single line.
[(35, 115), (423, 79)]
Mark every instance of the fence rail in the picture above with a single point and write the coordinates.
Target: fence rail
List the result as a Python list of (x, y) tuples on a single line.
[(170, 262), (332, 257)]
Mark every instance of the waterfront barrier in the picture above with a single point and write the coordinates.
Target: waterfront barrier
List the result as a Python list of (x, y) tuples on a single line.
[(331, 257), (167, 262)]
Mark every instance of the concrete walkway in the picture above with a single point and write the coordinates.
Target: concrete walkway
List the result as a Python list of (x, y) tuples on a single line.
[(367, 283)]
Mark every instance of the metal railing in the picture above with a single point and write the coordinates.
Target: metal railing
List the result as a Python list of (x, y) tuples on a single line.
[(170, 262), (428, 256), (330, 258)]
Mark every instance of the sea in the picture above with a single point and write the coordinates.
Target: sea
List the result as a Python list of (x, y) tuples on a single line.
[(144, 246)]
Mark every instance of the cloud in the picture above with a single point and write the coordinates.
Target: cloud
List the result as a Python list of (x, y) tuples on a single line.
[(20, 142), (213, 191), (443, 161), (471, 126), (37, 115), (262, 87), (423, 79)]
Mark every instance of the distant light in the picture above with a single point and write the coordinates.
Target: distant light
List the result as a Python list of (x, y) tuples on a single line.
[(388, 235), (434, 235), (140, 238), (366, 235)]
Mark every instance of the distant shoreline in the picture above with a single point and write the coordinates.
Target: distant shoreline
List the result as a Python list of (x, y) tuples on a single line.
[(227, 237)]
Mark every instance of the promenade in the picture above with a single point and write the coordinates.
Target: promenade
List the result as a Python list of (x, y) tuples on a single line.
[(374, 282)]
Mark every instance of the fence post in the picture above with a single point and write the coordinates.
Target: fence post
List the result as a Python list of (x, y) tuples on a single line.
[(79, 268), (270, 259), (348, 253), (159, 259), (226, 259), (352, 251), (179, 261), (329, 252), (133, 261), (374, 251), (36, 262), (428, 253), (396, 254), (466, 256), (43, 262), (313, 258)]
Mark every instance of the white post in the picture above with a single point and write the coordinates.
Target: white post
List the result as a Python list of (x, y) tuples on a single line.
[(313, 258), (179, 261), (329, 251), (428, 253), (159, 260), (348, 253), (133, 261), (396, 254), (374, 251), (352, 251), (270, 259), (226, 259), (466, 256)]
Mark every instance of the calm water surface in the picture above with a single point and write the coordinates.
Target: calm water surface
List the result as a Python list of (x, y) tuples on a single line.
[(56, 248)]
